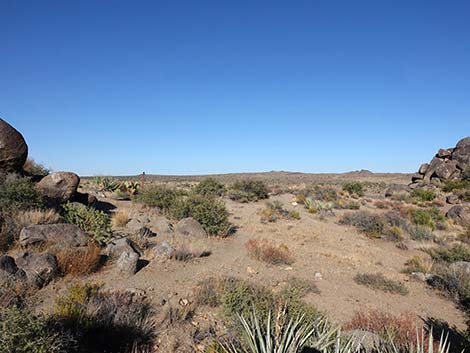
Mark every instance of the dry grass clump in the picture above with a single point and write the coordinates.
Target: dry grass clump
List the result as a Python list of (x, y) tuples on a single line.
[(401, 329), (185, 253), (264, 250), (418, 264), (77, 261), (379, 282), (120, 219), (34, 217)]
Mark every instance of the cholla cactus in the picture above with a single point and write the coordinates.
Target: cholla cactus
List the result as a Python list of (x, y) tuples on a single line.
[(132, 187)]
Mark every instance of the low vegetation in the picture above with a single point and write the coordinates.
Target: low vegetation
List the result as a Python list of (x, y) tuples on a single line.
[(248, 190), (378, 281), (94, 222), (78, 262), (209, 187), (369, 223), (354, 188), (274, 211), (423, 195), (266, 251)]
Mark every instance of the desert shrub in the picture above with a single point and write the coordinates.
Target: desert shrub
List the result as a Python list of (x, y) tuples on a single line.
[(120, 219), (298, 288), (240, 297), (418, 264), (423, 195), (185, 253), (464, 196), (354, 188), (23, 332), (427, 217), (80, 261), (248, 190), (211, 213), (379, 282), (454, 282), (96, 223), (265, 250), (293, 214), (347, 205), (33, 168), (401, 329), (323, 208), (452, 185), (371, 224), (158, 196), (18, 194), (394, 219), (274, 210), (393, 233), (177, 314), (421, 233), (102, 321), (209, 187), (456, 253)]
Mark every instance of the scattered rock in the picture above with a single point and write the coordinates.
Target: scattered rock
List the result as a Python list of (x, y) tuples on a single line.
[(460, 214), (119, 246), (127, 262), (161, 226), (452, 199), (134, 226), (68, 235), (59, 187), (461, 267), (189, 226), (164, 250), (418, 276), (396, 190), (40, 268), (13, 148)]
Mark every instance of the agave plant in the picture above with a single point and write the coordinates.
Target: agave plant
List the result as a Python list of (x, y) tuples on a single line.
[(132, 187), (317, 206), (107, 183)]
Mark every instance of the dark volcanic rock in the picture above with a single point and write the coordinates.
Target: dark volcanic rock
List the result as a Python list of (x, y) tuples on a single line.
[(13, 148), (67, 235), (40, 268), (460, 214)]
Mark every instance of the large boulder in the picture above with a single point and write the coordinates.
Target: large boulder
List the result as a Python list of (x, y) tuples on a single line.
[(460, 214), (164, 250), (461, 154), (65, 235), (59, 187), (161, 226), (9, 271), (189, 226), (13, 148), (40, 268)]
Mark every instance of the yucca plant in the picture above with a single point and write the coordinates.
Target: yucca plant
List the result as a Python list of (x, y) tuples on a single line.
[(424, 344), (284, 337)]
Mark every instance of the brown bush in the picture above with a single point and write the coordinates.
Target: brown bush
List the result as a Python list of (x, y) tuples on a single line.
[(120, 219), (264, 250), (401, 328), (79, 262)]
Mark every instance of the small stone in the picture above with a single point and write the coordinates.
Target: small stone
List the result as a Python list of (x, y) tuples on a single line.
[(127, 263)]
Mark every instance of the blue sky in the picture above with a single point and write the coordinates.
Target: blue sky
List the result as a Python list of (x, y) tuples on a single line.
[(191, 87)]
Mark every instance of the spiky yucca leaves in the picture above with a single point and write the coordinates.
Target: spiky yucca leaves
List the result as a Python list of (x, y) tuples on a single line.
[(106, 183), (282, 337), (424, 344)]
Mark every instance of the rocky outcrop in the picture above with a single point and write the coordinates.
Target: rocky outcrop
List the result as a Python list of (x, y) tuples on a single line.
[(9, 271), (119, 246), (447, 164), (65, 235), (59, 187), (13, 149)]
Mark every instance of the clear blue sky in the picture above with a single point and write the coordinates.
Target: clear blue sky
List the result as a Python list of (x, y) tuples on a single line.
[(197, 86)]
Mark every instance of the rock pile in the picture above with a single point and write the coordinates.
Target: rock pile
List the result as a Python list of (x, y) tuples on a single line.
[(13, 148), (447, 164)]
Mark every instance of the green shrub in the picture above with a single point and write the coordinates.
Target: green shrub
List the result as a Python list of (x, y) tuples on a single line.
[(209, 187), (379, 282), (354, 188), (423, 195), (158, 196), (248, 190), (431, 217), (96, 223), (23, 332), (211, 213), (18, 194), (33, 168), (371, 224), (452, 185), (454, 283), (119, 322), (453, 254)]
